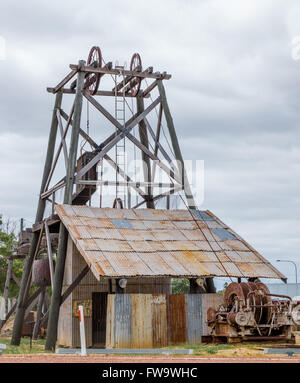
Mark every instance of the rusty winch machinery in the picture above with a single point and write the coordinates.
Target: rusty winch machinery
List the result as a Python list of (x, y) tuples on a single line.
[(250, 311)]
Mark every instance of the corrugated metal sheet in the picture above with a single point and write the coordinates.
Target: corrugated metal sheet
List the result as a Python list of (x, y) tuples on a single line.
[(176, 319), (175, 243), (157, 320), (194, 318), (122, 320)]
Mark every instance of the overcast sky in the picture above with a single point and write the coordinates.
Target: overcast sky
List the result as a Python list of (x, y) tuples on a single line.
[(234, 95)]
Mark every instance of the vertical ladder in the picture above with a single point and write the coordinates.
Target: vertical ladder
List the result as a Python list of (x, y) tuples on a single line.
[(120, 146)]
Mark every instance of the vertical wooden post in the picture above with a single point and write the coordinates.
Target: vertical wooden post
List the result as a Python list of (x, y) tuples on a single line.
[(146, 160), (5, 292), (210, 286), (175, 144), (39, 314), (7, 283), (19, 319), (63, 234)]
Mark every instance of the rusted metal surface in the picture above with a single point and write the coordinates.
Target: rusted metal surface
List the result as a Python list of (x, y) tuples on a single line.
[(176, 319), (248, 311), (41, 273), (156, 320), (148, 242)]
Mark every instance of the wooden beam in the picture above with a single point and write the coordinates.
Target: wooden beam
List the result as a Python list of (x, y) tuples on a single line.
[(75, 283), (54, 188), (168, 192), (156, 139), (7, 282), (49, 252), (106, 66), (127, 79), (68, 291), (149, 89), (156, 75), (145, 158), (38, 314), (65, 80), (176, 147), (106, 156), (63, 141), (63, 234), (127, 183), (19, 318), (123, 132), (58, 150), (9, 314), (105, 93)]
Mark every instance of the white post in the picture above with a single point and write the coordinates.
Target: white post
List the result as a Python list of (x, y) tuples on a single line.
[(82, 331)]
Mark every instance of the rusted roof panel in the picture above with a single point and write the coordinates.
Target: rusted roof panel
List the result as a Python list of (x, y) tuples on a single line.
[(147, 242)]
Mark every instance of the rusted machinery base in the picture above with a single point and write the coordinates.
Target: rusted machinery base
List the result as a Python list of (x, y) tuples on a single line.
[(232, 340)]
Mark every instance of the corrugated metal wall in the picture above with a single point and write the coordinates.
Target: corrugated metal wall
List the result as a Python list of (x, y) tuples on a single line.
[(68, 326), (157, 320)]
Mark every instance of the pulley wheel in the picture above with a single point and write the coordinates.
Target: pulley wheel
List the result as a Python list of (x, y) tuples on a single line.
[(93, 79), (266, 300), (233, 290), (136, 66)]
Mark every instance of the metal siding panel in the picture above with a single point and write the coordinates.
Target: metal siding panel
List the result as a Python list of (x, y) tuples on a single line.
[(209, 300), (176, 319), (150, 215), (122, 322), (182, 245), (112, 245), (223, 234), (141, 321), (121, 264), (121, 223), (168, 235), (101, 262), (193, 235), (114, 213), (131, 234), (179, 215), (83, 211), (152, 232), (169, 258), (159, 225), (186, 225), (156, 264), (194, 318), (159, 320), (142, 246), (190, 263), (236, 244), (110, 340)]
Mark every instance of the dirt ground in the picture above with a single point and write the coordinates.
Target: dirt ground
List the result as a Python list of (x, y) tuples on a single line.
[(52, 358)]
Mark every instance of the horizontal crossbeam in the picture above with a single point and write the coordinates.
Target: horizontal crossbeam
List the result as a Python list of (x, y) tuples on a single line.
[(90, 69)]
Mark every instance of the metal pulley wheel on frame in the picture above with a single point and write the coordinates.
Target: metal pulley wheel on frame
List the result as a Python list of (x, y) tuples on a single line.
[(135, 66), (93, 79)]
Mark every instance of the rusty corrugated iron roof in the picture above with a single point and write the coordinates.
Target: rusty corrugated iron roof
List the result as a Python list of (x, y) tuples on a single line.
[(171, 243)]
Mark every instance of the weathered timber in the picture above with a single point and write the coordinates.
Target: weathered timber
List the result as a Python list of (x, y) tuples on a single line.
[(156, 75), (19, 319), (175, 144), (63, 235), (146, 160)]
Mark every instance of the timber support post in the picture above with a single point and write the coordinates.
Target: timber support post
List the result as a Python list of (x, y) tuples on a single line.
[(176, 147), (19, 319), (146, 160), (63, 234)]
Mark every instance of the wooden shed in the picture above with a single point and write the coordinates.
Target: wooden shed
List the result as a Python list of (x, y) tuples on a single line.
[(145, 248)]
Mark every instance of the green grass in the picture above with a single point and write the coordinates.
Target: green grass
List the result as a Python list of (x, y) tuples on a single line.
[(38, 346)]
